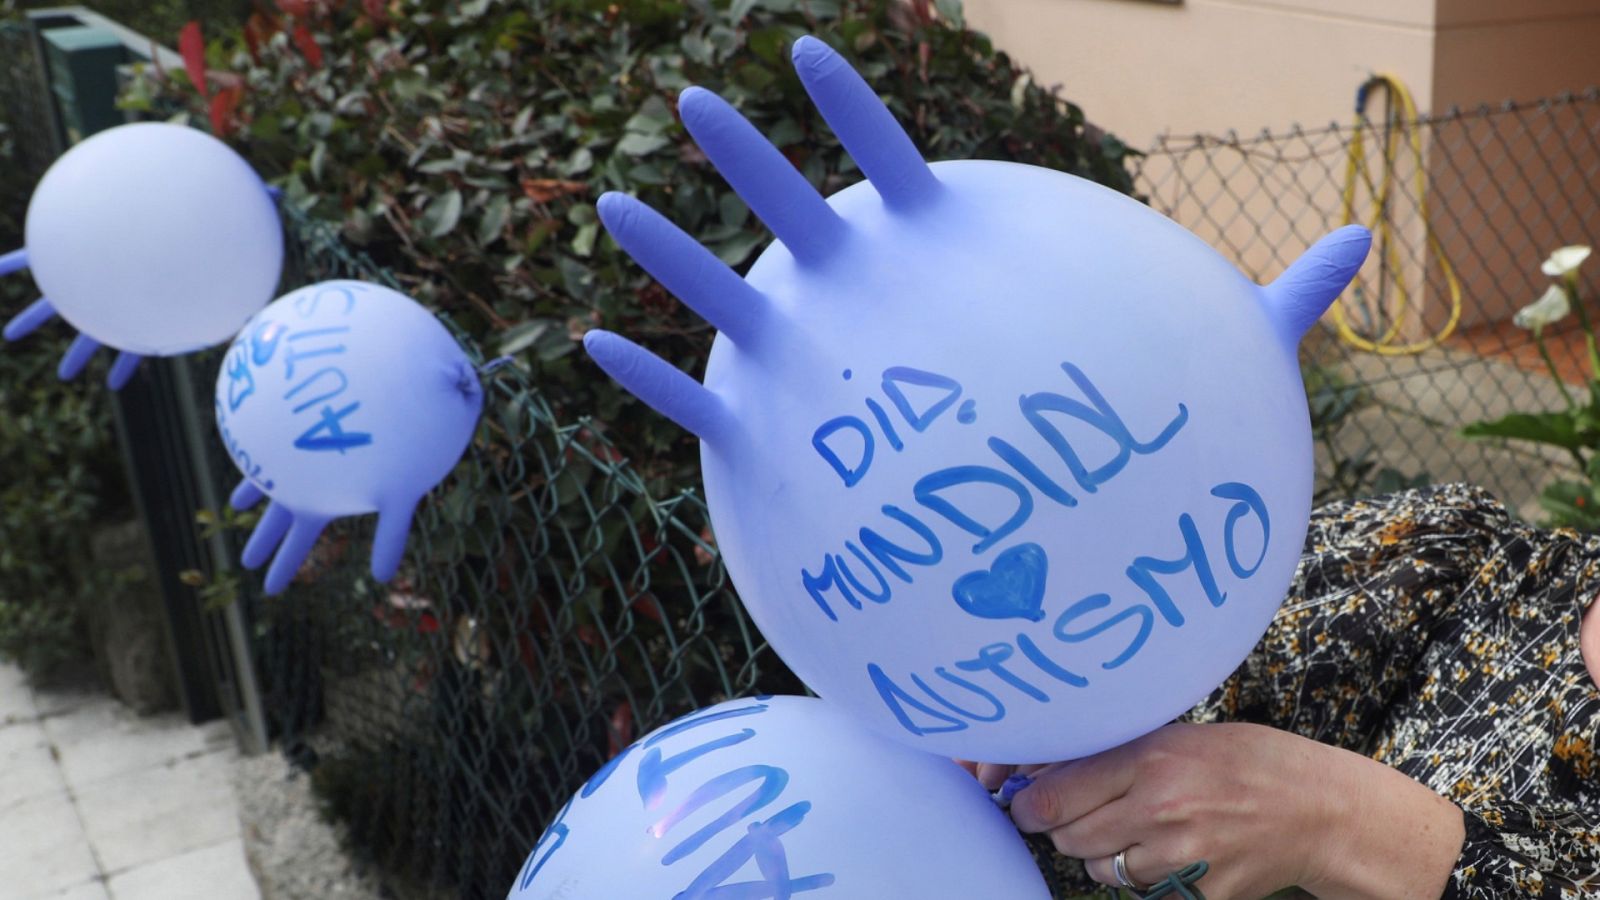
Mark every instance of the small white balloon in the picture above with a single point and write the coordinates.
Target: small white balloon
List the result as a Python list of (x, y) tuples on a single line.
[(152, 239)]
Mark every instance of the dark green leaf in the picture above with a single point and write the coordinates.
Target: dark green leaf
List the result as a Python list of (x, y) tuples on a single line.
[(1558, 429)]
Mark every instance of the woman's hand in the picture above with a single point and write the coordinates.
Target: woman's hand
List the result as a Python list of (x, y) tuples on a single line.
[(1267, 809)]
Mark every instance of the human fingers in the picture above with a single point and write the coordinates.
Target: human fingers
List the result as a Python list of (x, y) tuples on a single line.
[(1103, 831), (1065, 791), (992, 775), (1141, 867)]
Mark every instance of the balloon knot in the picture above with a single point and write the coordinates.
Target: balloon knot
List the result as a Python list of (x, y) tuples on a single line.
[(467, 380)]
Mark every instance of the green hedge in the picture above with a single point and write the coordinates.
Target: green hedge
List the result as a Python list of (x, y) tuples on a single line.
[(59, 471), (464, 144)]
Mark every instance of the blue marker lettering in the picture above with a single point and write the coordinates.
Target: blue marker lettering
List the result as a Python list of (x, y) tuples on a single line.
[(927, 493), (344, 382), (919, 422), (264, 342), (336, 438), (897, 699), (886, 552), (1100, 601), (1250, 502), (885, 424), (1047, 665), (1026, 468), (549, 843), (1145, 568), (295, 353), (882, 595), (241, 381), (991, 658), (852, 475), (770, 782), (997, 713), (763, 843), (653, 769), (1102, 418), (705, 718), (816, 585), (306, 304)]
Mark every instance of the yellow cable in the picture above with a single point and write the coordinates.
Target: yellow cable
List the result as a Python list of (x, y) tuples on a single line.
[(1388, 248)]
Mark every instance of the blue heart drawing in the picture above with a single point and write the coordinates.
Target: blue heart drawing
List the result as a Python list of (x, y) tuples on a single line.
[(1013, 588)]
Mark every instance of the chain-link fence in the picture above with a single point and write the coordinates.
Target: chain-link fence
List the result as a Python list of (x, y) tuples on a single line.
[(1465, 206), (446, 716)]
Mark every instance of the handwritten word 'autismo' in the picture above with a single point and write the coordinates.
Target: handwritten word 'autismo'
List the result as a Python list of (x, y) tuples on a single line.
[(978, 688), (754, 787), (848, 445), (312, 368)]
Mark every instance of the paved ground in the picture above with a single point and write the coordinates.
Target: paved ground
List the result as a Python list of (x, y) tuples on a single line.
[(1422, 401), (99, 804)]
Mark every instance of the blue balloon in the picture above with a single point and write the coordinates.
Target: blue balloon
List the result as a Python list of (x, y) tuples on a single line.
[(778, 797), (151, 239), (341, 399), (1001, 461)]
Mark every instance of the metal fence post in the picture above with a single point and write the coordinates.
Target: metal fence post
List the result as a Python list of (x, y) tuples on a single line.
[(163, 438)]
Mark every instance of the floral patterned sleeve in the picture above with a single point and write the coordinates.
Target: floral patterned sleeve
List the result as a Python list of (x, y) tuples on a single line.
[(1433, 632), (1379, 583), (1517, 851)]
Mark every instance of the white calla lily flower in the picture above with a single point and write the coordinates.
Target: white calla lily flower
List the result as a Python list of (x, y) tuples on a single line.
[(1550, 308), (1565, 260)]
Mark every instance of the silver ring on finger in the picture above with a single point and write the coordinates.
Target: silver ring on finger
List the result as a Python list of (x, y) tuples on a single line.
[(1119, 867)]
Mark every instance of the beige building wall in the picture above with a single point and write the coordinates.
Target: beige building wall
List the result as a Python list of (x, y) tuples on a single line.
[(1142, 68), (1139, 68)]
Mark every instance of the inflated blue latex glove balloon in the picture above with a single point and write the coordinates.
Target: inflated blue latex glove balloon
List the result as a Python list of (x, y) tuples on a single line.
[(1001, 461), (341, 399), (150, 239), (778, 797)]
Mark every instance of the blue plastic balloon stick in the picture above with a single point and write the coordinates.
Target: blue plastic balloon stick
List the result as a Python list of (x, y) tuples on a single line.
[(651, 379), (303, 534), (28, 321), (1311, 283), (77, 356), (864, 125), (269, 532), (122, 369), (684, 267), (15, 261), (389, 540), (245, 495), (772, 187)]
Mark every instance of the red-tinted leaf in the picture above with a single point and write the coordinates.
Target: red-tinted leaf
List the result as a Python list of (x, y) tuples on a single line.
[(620, 734), (648, 606), (192, 44), (296, 8), (308, 46), (427, 623), (701, 554), (377, 11), (529, 654), (222, 109)]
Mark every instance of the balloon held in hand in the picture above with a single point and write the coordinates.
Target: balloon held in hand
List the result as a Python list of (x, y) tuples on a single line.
[(150, 239), (1001, 461), (777, 797), (341, 399)]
